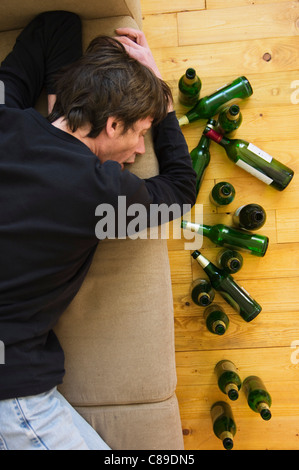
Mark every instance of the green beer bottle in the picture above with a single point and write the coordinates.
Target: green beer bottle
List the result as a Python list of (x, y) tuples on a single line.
[(249, 217), (223, 235), (216, 319), (229, 120), (222, 194), (234, 294), (224, 425), (229, 381), (209, 106), (189, 88), (229, 260), (200, 157), (257, 396), (253, 160), (202, 292)]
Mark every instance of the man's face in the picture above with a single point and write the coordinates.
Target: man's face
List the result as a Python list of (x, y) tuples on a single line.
[(124, 147)]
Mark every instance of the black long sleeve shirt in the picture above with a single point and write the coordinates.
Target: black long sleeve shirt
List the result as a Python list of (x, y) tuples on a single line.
[(50, 186)]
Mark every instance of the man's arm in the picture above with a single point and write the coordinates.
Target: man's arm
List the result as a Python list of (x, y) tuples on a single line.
[(49, 42)]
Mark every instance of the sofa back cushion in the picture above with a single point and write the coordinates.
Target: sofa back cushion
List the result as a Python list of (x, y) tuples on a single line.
[(15, 14)]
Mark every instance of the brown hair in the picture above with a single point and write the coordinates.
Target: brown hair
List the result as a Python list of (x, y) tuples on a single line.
[(105, 82)]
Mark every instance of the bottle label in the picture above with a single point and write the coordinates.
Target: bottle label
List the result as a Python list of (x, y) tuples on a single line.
[(260, 153), (202, 261), (254, 172), (226, 366), (237, 212)]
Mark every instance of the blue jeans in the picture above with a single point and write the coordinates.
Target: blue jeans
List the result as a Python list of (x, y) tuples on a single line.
[(45, 422)]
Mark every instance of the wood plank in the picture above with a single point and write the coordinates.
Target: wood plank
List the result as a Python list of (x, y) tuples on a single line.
[(161, 28), (156, 6), (197, 367), (273, 329), (253, 22), (210, 4), (231, 59), (272, 293), (288, 226)]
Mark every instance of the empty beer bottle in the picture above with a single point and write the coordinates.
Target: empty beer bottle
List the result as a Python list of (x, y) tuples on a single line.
[(230, 260), (230, 237), (234, 294), (229, 381), (209, 106), (224, 425), (253, 160), (222, 194), (200, 157), (249, 217), (257, 396), (189, 88), (216, 319), (202, 292), (229, 120)]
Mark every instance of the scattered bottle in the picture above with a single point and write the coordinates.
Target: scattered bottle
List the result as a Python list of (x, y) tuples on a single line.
[(229, 381), (253, 160), (224, 425), (209, 106), (229, 260), (257, 396), (249, 217), (216, 319), (202, 292), (230, 237), (200, 157), (234, 294), (222, 194), (189, 88), (229, 120)]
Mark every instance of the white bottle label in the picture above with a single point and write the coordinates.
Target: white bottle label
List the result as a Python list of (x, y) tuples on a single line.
[(254, 172), (260, 153)]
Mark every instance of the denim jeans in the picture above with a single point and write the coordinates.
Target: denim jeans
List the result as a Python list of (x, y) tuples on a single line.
[(45, 422)]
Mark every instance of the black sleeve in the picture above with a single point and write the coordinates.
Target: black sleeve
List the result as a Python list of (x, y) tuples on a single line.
[(176, 182), (49, 42)]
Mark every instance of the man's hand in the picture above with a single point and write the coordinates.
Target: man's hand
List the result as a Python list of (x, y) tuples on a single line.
[(137, 47)]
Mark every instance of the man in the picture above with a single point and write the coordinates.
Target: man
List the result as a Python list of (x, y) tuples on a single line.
[(54, 172)]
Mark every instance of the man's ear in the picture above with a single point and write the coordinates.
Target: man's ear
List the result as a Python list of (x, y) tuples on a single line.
[(113, 127)]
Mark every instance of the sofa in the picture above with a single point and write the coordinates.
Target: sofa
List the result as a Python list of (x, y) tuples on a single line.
[(118, 333)]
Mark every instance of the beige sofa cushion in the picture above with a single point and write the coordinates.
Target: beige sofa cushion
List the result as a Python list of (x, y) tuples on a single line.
[(15, 14)]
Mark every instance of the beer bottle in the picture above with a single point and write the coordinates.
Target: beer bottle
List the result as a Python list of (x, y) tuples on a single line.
[(229, 381), (258, 397), (224, 425), (222, 194), (230, 260), (202, 292), (189, 88), (216, 319), (234, 294), (249, 217), (209, 106)]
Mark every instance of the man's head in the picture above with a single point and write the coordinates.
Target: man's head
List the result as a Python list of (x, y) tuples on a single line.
[(107, 90)]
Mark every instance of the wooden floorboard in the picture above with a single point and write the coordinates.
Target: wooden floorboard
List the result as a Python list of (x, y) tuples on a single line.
[(223, 40)]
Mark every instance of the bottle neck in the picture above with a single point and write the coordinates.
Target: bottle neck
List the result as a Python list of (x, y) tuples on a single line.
[(204, 143), (200, 228), (217, 137)]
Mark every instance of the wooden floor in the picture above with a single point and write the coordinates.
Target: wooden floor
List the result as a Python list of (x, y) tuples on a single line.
[(222, 40)]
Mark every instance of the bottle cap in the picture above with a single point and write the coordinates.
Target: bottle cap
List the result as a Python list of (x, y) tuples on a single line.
[(234, 109), (195, 254), (190, 73)]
